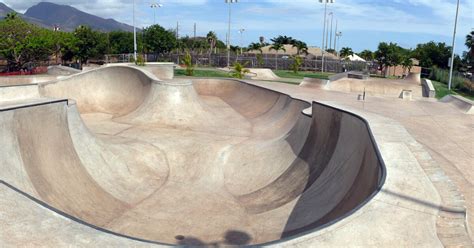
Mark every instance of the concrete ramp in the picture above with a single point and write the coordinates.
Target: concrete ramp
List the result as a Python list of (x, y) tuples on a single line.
[(156, 160), (262, 74), (314, 83), (463, 104), (413, 77)]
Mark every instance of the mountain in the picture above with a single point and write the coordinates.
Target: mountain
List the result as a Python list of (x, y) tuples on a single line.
[(4, 10), (68, 18)]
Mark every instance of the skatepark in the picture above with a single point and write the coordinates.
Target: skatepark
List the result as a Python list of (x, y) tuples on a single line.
[(130, 156)]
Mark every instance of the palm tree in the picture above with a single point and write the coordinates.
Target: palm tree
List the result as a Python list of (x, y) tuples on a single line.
[(345, 52), (300, 47), (283, 40), (407, 63), (367, 55), (256, 47), (212, 40), (469, 43), (277, 47)]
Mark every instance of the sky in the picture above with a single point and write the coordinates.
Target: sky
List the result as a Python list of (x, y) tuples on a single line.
[(363, 23)]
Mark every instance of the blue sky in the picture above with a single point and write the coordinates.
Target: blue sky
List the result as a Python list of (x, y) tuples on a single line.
[(364, 23)]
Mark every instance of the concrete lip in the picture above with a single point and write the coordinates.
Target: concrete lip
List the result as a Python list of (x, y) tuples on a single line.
[(186, 162)]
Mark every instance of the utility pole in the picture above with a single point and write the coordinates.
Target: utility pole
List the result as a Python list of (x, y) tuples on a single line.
[(451, 62)]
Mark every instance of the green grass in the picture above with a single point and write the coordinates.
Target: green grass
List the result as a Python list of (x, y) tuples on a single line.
[(442, 90), (203, 73), (301, 74)]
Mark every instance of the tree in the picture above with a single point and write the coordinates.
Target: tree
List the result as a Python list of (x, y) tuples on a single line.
[(158, 40), (277, 47), (433, 54), (388, 54), (407, 63), (255, 47), (212, 40), (367, 55), (346, 52), (300, 47), (469, 43), (121, 42), (21, 42), (285, 40), (87, 43)]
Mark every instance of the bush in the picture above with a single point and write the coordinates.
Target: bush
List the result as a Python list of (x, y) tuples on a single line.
[(239, 70), (140, 60), (297, 62), (188, 63)]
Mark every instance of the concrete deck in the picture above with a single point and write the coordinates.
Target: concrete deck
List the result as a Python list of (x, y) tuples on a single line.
[(136, 161)]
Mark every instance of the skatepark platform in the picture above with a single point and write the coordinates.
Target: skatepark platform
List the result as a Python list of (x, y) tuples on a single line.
[(118, 157)]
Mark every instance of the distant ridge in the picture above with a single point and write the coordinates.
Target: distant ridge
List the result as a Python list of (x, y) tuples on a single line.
[(66, 17)]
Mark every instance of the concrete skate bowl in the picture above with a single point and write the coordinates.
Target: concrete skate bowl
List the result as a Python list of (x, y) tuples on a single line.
[(208, 162)]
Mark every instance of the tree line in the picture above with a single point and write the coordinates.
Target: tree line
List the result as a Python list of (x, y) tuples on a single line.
[(22, 43)]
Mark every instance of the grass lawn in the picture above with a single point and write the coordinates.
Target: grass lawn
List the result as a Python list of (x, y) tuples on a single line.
[(442, 90), (203, 73), (302, 74)]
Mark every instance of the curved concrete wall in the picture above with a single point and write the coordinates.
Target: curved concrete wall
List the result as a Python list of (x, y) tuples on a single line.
[(306, 171), (113, 90)]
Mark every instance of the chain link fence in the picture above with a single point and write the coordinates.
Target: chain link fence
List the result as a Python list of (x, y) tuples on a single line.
[(276, 62)]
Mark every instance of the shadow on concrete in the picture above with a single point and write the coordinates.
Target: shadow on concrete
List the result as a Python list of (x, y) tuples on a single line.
[(231, 237), (424, 203)]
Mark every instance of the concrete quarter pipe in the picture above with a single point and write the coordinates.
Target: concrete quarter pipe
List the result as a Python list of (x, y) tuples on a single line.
[(197, 162)]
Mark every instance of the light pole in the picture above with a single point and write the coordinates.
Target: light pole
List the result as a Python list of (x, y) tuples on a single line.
[(134, 34), (229, 3), (338, 35), (330, 39), (451, 62), (241, 32), (324, 29), (154, 6), (335, 37)]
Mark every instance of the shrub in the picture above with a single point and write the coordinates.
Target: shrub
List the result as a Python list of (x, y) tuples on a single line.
[(140, 60), (239, 70), (188, 63), (297, 62)]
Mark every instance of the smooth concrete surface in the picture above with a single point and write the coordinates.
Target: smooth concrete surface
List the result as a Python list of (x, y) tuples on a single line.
[(161, 70), (202, 152), (413, 77), (62, 70), (21, 80), (460, 102), (178, 152), (376, 86), (314, 82)]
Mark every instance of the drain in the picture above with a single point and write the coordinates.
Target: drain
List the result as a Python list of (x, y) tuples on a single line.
[(179, 237)]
